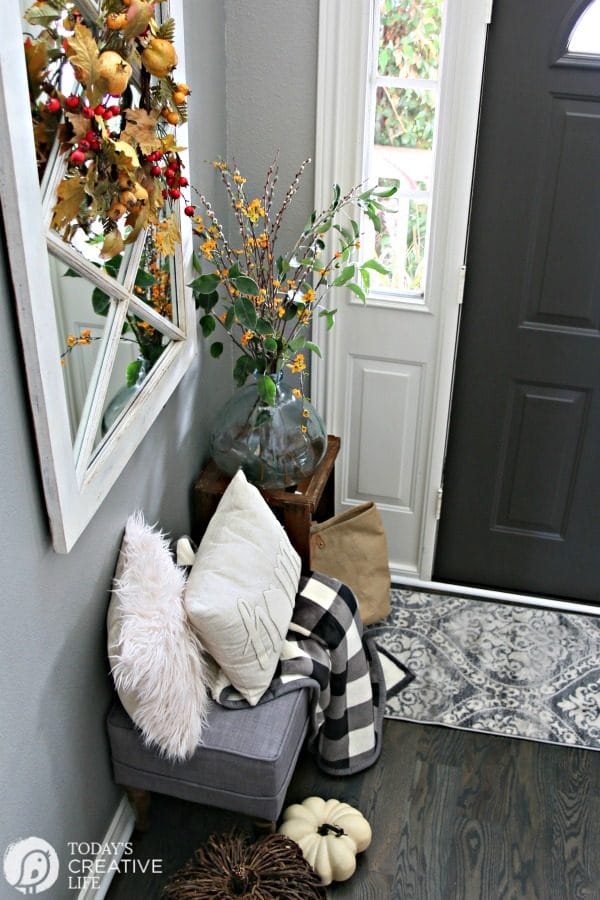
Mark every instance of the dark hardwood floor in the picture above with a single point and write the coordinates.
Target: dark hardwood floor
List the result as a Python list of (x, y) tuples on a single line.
[(455, 816)]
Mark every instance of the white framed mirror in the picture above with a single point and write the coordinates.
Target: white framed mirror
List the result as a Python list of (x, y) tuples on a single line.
[(106, 336)]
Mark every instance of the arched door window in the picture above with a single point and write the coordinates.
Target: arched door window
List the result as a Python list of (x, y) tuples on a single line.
[(578, 38), (585, 36)]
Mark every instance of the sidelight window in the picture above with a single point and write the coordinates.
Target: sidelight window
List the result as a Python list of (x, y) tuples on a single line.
[(403, 103)]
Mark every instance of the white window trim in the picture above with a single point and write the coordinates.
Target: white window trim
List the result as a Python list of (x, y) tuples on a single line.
[(344, 35)]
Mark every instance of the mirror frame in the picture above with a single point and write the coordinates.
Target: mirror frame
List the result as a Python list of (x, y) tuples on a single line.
[(72, 498)]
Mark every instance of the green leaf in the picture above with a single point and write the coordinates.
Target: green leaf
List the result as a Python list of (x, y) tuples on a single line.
[(355, 228), (370, 211), (346, 275), (246, 312), (208, 325), (315, 348), (270, 345), (100, 302), (205, 284), (71, 273), (144, 279), (329, 315), (229, 318), (196, 264), (132, 372), (266, 389), (263, 326), (282, 265), (297, 343), (45, 14), (366, 278), (244, 365), (113, 265), (245, 285), (216, 348), (206, 301), (356, 289), (345, 233), (337, 192), (376, 266), (234, 271), (386, 192)]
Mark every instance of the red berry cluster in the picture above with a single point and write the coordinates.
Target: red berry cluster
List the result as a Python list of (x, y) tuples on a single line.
[(92, 138), (170, 171)]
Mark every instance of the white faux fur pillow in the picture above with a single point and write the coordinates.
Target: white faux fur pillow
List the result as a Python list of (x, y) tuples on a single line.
[(156, 659), (242, 588)]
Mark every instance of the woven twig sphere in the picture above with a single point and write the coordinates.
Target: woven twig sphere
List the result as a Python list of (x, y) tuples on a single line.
[(229, 867)]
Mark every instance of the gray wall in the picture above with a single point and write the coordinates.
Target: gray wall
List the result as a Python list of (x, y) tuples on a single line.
[(271, 96), (252, 70), (56, 778)]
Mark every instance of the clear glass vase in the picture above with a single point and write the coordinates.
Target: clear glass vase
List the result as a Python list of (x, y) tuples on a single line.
[(277, 446)]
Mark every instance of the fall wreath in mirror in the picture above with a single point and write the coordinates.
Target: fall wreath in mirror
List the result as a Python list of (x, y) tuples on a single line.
[(105, 99)]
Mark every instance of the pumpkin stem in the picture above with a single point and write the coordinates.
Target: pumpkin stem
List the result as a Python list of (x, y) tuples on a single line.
[(326, 828)]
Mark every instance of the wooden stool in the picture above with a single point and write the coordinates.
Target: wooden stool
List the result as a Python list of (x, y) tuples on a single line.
[(294, 508)]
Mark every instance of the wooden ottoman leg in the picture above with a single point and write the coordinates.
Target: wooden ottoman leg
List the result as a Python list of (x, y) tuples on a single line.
[(140, 801)]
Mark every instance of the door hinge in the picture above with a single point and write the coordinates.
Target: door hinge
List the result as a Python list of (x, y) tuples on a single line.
[(438, 504), (461, 283), (488, 12)]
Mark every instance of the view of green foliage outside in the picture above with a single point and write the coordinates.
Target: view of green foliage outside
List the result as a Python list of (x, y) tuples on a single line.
[(409, 47)]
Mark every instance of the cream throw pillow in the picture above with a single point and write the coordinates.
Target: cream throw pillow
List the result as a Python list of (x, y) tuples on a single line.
[(155, 657), (242, 588)]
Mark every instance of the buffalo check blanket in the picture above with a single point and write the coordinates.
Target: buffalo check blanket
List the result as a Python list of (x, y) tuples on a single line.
[(326, 651)]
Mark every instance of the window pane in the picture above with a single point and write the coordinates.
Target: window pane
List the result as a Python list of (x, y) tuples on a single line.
[(409, 38), (404, 117), (401, 244), (411, 170), (585, 37)]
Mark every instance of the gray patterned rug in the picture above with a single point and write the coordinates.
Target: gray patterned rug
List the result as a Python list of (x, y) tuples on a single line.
[(503, 669)]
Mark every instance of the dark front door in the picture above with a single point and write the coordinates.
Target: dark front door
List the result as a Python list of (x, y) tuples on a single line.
[(521, 507)]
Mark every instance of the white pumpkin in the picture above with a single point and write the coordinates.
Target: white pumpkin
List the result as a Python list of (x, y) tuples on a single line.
[(330, 833)]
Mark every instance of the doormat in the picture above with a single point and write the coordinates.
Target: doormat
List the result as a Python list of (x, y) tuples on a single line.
[(497, 668)]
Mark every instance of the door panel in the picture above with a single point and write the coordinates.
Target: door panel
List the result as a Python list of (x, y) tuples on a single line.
[(522, 478)]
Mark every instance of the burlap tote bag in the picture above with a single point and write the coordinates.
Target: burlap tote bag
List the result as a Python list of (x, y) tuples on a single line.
[(352, 547)]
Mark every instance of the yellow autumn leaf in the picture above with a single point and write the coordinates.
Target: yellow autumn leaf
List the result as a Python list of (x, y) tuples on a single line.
[(129, 152), (113, 244), (136, 221), (36, 57), (141, 130), (71, 194), (169, 145), (167, 235), (79, 124), (83, 55)]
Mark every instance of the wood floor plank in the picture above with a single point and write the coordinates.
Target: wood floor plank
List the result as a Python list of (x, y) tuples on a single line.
[(455, 816), (576, 824)]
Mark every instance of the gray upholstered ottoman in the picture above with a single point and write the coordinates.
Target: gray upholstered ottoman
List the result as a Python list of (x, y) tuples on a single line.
[(244, 764)]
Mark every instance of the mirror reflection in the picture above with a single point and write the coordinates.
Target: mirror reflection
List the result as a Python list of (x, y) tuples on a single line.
[(101, 286)]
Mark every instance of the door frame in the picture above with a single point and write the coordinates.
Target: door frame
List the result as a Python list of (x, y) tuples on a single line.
[(345, 32)]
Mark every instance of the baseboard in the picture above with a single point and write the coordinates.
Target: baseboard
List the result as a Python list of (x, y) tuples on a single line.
[(401, 579), (119, 832)]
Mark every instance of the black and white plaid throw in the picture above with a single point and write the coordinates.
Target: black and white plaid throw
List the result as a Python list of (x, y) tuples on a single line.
[(326, 651)]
